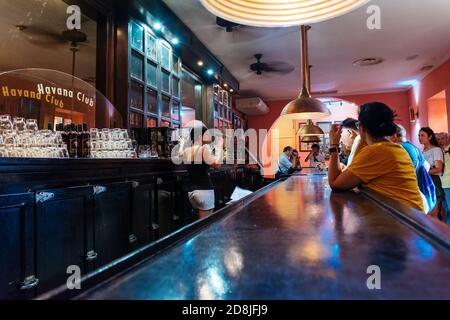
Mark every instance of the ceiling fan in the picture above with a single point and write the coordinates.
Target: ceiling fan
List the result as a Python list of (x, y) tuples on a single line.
[(278, 67), (41, 35), (75, 38)]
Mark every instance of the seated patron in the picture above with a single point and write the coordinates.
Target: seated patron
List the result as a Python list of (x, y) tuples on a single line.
[(286, 163), (315, 157), (199, 160), (382, 166)]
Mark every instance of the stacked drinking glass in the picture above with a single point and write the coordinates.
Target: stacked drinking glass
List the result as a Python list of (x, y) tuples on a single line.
[(21, 138), (111, 144)]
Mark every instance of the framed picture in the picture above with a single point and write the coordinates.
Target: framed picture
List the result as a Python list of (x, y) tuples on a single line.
[(326, 127), (306, 146)]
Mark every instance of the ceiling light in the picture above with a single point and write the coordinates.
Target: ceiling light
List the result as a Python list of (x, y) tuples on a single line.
[(413, 57), (427, 68), (225, 85), (175, 41), (280, 13), (231, 90), (365, 62), (157, 26), (305, 107), (210, 72), (200, 63), (310, 130)]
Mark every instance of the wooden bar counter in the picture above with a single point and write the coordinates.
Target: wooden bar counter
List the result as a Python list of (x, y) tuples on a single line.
[(296, 239), (92, 213)]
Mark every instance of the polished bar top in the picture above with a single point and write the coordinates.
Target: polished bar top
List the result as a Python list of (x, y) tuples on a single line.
[(299, 240)]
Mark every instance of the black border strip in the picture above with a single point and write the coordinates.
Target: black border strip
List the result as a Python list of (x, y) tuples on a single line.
[(132, 260)]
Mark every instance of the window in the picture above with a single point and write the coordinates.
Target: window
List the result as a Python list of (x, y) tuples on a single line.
[(155, 82), (152, 101), (152, 71), (136, 96), (175, 65), (165, 82), (165, 56), (136, 66), (165, 107), (175, 87), (152, 45), (175, 110), (137, 35), (136, 120)]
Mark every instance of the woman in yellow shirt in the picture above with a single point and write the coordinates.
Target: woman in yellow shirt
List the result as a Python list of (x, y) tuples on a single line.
[(382, 166)]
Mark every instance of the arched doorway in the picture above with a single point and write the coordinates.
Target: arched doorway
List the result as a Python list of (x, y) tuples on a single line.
[(283, 132)]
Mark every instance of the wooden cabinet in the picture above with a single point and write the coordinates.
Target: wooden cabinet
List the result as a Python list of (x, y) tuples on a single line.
[(112, 219), (143, 226), (64, 234), (17, 276)]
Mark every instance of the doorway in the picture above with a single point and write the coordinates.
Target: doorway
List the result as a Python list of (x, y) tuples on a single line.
[(437, 112)]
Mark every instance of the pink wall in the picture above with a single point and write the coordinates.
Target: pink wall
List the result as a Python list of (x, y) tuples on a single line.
[(398, 101), (435, 82)]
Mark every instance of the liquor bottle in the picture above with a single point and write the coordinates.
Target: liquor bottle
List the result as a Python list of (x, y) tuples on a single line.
[(65, 129), (79, 129), (73, 141), (83, 141)]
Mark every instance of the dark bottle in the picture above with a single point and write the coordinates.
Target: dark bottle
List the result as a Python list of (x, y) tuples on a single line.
[(86, 140), (73, 141), (50, 127), (65, 129), (83, 141)]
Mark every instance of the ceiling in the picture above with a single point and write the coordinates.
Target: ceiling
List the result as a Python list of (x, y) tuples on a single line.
[(40, 46), (409, 28)]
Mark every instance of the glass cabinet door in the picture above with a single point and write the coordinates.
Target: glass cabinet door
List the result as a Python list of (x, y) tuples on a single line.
[(152, 45), (137, 36), (165, 57), (152, 72)]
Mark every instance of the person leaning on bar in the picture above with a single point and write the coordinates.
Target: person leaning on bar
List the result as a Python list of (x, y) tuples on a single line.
[(382, 165)]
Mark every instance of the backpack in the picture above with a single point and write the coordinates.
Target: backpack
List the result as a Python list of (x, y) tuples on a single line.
[(425, 181)]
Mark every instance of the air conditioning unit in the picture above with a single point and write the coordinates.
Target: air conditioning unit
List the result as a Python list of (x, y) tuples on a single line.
[(252, 106)]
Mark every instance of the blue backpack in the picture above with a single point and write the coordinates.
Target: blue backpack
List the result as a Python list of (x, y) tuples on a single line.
[(425, 182)]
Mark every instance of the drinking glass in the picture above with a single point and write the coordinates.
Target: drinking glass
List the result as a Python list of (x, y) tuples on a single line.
[(104, 134), (5, 122), (124, 134), (31, 125), (19, 124), (10, 138), (94, 133)]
